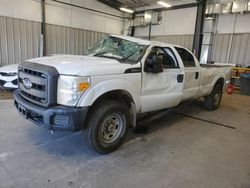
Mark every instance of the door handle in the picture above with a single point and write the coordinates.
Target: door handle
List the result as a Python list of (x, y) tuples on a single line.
[(180, 78), (197, 75)]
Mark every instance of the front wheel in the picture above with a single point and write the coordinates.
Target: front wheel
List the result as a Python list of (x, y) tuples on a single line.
[(213, 100), (107, 127)]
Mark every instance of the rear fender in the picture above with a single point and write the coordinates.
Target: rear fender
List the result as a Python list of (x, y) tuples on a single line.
[(219, 76)]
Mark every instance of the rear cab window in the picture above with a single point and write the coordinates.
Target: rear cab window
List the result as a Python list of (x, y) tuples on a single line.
[(186, 56)]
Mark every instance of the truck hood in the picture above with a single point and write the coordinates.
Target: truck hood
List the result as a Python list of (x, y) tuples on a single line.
[(83, 65)]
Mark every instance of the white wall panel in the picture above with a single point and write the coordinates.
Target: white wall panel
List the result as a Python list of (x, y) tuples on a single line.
[(243, 23), (69, 29), (239, 52), (182, 40), (23, 9), (64, 15), (174, 22), (19, 40), (226, 23)]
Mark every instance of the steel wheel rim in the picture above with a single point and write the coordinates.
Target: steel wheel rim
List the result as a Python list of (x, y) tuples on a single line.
[(111, 128), (217, 97)]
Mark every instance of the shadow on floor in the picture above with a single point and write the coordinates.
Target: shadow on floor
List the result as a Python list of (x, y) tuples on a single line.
[(68, 144)]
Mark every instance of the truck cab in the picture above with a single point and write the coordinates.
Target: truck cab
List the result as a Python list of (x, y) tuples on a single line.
[(102, 92)]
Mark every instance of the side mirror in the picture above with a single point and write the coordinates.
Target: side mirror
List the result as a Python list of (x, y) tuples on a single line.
[(153, 65)]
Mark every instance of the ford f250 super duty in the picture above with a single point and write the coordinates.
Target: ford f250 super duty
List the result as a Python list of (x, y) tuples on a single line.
[(103, 92)]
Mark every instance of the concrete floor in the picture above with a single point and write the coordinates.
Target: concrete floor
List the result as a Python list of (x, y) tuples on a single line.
[(176, 151)]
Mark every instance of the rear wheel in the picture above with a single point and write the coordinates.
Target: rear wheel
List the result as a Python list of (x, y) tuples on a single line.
[(213, 100), (107, 127)]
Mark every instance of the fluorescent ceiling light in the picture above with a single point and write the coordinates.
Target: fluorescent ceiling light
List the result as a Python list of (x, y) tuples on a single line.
[(164, 4), (126, 10)]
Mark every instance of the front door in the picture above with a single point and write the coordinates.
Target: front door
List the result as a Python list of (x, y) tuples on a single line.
[(164, 89)]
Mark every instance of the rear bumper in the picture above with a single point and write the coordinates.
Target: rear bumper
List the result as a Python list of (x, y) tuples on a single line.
[(54, 118)]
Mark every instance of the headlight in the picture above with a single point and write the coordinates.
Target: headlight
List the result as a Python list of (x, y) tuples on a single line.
[(70, 89), (9, 74)]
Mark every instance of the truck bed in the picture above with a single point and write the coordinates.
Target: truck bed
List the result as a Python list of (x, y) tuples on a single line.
[(210, 73)]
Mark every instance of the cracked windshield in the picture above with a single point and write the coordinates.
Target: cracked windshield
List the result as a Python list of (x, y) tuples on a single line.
[(117, 48)]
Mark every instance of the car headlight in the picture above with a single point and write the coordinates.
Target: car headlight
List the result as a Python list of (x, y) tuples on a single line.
[(8, 74), (70, 88)]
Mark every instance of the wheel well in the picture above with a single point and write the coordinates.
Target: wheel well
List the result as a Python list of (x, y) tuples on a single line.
[(119, 95), (220, 81)]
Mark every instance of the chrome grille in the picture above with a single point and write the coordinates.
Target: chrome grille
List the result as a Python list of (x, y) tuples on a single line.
[(37, 83), (38, 93)]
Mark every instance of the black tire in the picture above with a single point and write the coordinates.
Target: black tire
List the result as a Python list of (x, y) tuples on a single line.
[(212, 101), (106, 126)]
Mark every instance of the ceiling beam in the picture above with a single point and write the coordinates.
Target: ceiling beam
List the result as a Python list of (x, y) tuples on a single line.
[(112, 3)]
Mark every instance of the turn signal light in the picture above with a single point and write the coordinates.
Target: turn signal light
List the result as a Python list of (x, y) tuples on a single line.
[(83, 86)]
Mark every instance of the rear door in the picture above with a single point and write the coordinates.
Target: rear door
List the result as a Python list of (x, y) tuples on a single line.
[(192, 74), (164, 89)]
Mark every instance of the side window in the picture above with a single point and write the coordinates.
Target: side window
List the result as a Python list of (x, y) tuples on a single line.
[(163, 55), (156, 54), (187, 58), (169, 59)]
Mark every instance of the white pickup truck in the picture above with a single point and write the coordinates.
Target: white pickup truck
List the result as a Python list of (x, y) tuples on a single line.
[(103, 92)]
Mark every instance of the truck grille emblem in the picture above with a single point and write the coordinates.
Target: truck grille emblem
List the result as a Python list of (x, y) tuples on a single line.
[(27, 83)]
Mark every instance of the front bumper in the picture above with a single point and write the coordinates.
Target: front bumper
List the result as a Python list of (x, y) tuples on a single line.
[(54, 118), (7, 82)]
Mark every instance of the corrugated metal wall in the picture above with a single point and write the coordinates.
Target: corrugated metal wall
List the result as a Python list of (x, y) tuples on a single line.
[(66, 40), (182, 40), (239, 51), (18, 40)]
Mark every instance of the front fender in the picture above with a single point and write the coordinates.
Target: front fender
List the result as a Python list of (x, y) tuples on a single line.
[(91, 95)]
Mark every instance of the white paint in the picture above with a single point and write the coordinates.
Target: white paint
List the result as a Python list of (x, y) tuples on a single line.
[(226, 23), (4, 156), (174, 22), (150, 91), (75, 65), (64, 15)]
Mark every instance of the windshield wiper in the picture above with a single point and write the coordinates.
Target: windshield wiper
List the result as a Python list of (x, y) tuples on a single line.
[(100, 53)]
